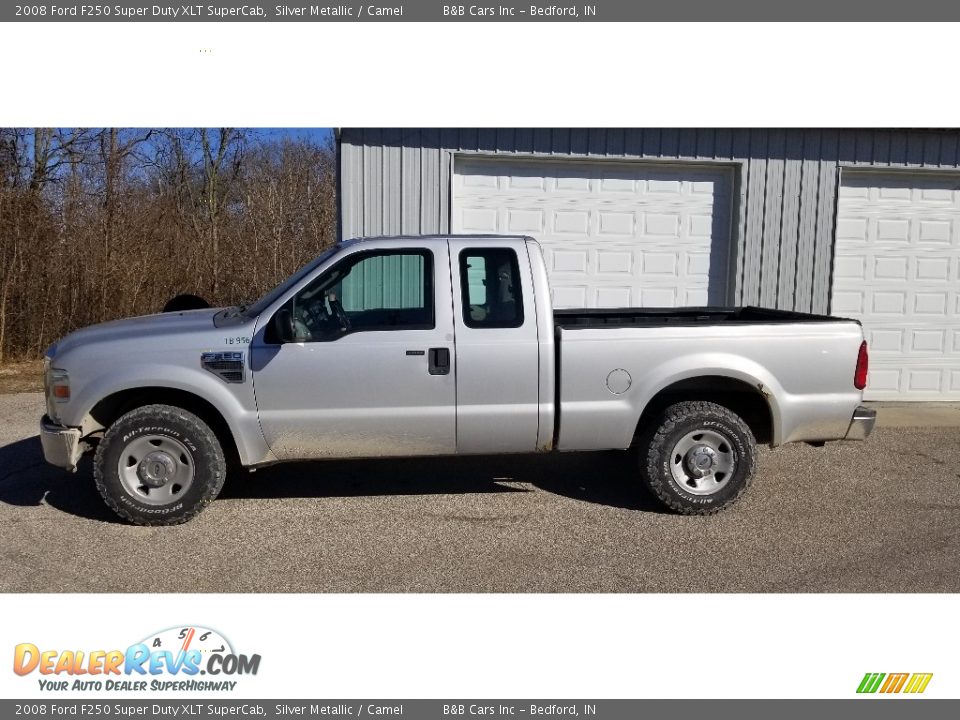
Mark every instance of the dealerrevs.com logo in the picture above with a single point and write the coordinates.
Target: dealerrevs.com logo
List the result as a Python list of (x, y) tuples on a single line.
[(179, 659)]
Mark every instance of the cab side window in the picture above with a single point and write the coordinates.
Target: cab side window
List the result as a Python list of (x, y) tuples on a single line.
[(376, 290), (490, 287)]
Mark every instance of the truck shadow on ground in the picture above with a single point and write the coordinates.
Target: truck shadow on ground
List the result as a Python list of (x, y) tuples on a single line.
[(607, 478), (27, 480)]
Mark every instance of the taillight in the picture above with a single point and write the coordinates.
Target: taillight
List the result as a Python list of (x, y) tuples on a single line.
[(860, 376)]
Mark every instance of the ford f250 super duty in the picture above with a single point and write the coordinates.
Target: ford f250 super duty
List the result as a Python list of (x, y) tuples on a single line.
[(393, 347)]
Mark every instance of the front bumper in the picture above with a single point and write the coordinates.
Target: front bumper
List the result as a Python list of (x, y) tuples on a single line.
[(61, 445), (862, 424)]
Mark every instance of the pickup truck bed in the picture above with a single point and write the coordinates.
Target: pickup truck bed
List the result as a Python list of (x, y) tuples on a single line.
[(791, 372)]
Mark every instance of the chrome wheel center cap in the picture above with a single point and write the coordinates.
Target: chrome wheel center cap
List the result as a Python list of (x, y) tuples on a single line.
[(156, 469), (701, 460)]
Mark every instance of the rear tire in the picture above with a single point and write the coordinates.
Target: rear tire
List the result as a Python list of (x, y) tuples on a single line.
[(698, 457), (159, 465)]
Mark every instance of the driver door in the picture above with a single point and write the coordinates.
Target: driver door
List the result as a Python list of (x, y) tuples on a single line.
[(370, 372)]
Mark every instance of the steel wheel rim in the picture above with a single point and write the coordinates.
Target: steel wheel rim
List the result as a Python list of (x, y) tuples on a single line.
[(703, 461), (156, 469)]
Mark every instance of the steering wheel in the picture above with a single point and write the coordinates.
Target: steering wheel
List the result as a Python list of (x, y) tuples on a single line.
[(337, 309), (314, 315)]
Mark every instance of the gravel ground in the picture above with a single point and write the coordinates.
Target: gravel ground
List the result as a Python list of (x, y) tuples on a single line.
[(21, 377), (879, 516)]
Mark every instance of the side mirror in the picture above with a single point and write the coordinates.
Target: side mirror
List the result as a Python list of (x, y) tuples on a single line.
[(283, 326)]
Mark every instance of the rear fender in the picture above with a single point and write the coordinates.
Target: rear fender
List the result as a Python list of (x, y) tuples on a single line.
[(735, 367)]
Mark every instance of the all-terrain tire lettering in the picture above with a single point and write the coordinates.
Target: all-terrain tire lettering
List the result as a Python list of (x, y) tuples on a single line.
[(169, 421)]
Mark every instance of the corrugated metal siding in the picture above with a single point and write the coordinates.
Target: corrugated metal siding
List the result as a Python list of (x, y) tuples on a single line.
[(398, 181)]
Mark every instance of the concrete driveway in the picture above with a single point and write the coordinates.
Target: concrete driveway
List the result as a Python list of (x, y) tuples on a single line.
[(879, 516)]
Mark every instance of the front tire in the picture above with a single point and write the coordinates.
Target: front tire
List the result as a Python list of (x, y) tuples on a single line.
[(698, 458), (159, 465)]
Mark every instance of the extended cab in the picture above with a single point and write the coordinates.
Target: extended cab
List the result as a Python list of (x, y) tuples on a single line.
[(440, 346)]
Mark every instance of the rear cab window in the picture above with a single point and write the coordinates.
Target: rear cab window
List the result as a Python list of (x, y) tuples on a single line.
[(490, 288)]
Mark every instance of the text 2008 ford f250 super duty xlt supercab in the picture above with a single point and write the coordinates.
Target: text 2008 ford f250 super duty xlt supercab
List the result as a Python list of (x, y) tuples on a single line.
[(441, 346)]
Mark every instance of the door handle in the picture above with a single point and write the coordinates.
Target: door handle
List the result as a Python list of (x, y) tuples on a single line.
[(439, 361)]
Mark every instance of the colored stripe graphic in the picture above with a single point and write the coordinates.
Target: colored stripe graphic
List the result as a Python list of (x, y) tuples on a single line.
[(894, 682), (918, 682), (870, 682)]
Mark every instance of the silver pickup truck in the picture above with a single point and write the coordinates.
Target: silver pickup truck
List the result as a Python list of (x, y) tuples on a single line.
[(405, 346)]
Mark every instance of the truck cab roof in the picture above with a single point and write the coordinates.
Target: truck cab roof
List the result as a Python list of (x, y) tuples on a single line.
[(438, 236)]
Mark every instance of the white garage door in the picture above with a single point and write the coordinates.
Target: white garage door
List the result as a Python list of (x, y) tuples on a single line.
[(614, 235), (897, 269)]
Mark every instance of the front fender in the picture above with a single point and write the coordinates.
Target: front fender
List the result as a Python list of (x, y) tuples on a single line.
[(240, 414)]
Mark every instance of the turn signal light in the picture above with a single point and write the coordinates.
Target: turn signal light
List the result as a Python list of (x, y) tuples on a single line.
[(860, 376), (58, 385)]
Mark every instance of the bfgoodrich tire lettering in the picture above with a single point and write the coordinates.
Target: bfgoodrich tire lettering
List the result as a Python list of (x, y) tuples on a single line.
[(689, 433), (171, 440)]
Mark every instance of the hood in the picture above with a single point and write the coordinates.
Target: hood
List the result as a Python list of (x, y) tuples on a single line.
[(152, 327)]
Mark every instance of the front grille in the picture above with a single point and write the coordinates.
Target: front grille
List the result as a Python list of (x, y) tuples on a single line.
[(228, 366)]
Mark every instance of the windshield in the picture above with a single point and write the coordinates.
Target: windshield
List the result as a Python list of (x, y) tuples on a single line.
[(263, 303)]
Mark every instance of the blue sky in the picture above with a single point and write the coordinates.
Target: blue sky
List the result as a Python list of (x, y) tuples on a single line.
[(317, 135)]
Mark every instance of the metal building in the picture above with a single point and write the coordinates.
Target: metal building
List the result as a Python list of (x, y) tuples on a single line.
[(859, 223)]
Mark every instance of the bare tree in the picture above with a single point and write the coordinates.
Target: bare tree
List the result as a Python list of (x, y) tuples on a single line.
[(100, 223), (116, 148)]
